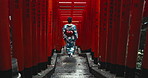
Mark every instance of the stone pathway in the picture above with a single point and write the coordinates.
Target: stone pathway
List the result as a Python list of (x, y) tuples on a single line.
[(71, 67)]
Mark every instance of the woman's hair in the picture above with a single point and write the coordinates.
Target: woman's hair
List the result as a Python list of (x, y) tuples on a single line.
[(69, 19)]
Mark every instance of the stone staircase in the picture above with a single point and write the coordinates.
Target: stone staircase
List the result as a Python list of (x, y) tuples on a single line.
[(71, 67)]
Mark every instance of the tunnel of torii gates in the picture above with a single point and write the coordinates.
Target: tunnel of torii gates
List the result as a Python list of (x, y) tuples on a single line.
[(31, 30)]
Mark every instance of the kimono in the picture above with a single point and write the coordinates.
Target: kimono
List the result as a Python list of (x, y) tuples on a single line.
[(70, 36)]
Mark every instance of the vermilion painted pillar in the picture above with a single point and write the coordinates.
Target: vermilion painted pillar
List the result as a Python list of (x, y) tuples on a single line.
[(33, 8), (38, 23), (115, 34), (56, 37), (84, 39), (87, 43), (145, 57), (134, 36), (43, 53), (123, 36), (55, 23), (96, 31), (42, 41), (88, 27), (92, 23), (110, 19), (94, 28), (17, 38), (88, 19), (145, 14), (103, 32), (5, 56), (49, 30), (27, 38), (45, 32)]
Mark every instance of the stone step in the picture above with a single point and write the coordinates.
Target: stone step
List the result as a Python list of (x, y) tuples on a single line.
[(75, 67), (71, 71), (72, 76)]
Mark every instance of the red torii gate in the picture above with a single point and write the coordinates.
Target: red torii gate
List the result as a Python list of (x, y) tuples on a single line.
[(110, 32), (5, 53)]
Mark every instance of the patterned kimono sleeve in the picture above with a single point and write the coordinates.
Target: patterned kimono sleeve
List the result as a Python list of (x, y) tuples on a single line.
[(75, 32), (64, 29)]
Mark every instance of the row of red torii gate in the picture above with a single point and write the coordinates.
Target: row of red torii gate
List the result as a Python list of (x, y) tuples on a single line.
[(31, 29)]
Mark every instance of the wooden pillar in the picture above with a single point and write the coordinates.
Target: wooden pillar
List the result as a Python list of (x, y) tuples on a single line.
[(110, 19), (55, 23), (92, 24), (86, 27), (123, 36), (103, 32), (43, 53), (115, 34), (5, 56), (44, 33), (88, 24), (27, 38), (145, 14), (38, 23), (33, 8), (145, 57), (49, 30), (17, 38), (134, 36), (96, 31)]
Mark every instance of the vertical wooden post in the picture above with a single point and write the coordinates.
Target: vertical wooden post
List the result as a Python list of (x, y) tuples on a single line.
[(55, 13), (49, 30), (33, 8), (96, 31), (145, 57), (17, 26), (110, 19), (44, 33), (95, 34), (27, 38), (43, 53), (89, 42), (134, 36), (38, 23), (5, 56), (123, 36), (87, 22), (115, 34), (103, 32), (145, 14)]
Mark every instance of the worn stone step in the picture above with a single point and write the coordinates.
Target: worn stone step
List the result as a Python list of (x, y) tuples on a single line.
[(72, 76), (75, 67)]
